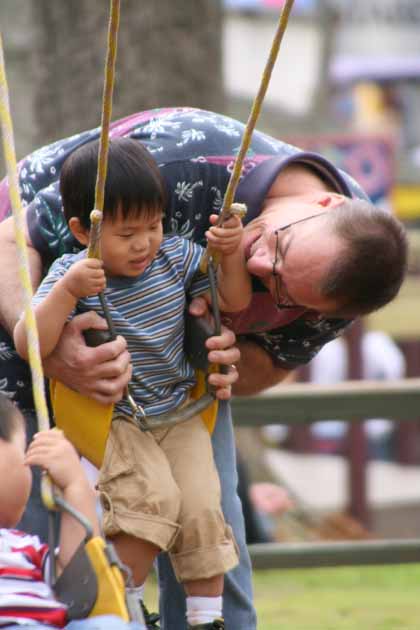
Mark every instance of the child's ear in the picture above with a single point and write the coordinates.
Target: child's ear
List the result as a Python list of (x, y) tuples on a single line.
[(79, 232)]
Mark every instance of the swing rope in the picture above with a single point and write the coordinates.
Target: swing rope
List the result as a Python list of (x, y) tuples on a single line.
[(51, 499), (38, 384), (208, 263), (250, 125), (97, 212), (111, 54), (96, 216)]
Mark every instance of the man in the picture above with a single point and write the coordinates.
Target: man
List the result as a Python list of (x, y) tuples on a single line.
[(341, 259)]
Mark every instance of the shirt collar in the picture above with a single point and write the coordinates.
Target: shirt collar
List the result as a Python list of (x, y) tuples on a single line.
[(254, 187)]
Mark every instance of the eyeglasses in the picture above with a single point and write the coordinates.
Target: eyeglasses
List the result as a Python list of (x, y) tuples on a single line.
[(283, 302)]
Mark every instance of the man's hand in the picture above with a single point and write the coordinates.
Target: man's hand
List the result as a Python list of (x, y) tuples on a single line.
[(101, 373), (221, 350)]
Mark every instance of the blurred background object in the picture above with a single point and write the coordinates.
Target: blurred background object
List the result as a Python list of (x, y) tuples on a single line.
[(55, 55), (382, 359)]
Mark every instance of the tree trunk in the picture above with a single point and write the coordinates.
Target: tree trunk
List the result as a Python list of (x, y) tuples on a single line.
[(169, 53)]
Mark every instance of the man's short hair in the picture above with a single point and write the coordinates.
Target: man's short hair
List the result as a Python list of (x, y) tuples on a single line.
[(371, 267)]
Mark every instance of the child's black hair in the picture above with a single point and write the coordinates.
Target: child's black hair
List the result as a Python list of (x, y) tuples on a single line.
[(10, 418), (133, 184)]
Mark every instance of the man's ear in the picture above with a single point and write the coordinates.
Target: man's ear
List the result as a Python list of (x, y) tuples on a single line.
[(79, 232), (329, 199)]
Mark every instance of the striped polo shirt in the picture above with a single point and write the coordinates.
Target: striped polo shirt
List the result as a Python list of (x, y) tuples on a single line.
[(148, 311)]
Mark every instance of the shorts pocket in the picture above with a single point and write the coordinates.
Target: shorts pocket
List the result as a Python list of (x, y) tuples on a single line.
[(119, 456)]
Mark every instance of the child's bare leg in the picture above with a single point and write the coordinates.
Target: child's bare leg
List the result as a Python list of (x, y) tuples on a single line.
[(137, 554), (209, 587)]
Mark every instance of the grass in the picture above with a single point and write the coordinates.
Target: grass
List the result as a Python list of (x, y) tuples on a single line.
[(366, 598)]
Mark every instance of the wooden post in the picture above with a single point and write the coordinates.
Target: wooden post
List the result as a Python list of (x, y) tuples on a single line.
[(357, 448), (407, 433), (299, 439)]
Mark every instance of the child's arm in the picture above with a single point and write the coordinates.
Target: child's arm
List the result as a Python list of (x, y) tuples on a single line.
[(54, 453), (85, 277), (233, 278)]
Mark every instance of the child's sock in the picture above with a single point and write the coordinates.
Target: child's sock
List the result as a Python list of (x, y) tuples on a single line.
[(134, 598), (137, 591), (203, 609)]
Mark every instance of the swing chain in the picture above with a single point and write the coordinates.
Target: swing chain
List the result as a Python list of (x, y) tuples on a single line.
[(138, 413)]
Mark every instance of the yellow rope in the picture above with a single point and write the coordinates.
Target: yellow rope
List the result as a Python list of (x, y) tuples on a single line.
[(38, 386), (93, 250), (252, 120), (38, 383), (96, 216)]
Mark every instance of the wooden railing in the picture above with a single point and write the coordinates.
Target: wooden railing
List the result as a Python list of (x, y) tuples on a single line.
[(350, 401)]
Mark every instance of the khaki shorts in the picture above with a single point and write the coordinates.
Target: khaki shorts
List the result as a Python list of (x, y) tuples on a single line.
[(163, 487)]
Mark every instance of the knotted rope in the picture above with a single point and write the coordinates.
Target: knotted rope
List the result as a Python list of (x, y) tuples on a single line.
[(111, 54), (250, 125), (38, 385)]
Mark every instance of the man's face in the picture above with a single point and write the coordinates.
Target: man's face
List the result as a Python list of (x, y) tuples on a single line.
[(302, 253)]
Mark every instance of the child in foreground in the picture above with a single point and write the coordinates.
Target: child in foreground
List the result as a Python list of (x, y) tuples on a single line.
[(159, 489), (26, 600)]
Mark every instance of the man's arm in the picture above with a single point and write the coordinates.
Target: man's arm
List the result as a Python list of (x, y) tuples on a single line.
[(11, 291), (256, 370)]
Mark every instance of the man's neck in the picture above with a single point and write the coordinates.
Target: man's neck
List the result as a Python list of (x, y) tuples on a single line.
[(296, 180)]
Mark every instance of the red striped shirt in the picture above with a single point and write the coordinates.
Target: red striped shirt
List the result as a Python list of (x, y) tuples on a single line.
[(24, 594)]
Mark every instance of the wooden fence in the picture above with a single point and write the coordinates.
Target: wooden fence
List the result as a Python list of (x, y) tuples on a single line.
[(353, 401)]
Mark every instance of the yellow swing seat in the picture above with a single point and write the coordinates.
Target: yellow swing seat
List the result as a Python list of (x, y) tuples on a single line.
[(92, 583), (86, 422)]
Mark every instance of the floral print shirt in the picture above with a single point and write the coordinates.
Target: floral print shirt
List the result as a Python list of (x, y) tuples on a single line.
[(195, 151)]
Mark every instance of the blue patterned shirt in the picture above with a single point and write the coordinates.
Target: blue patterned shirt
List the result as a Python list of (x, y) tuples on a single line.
[(195, 151)]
